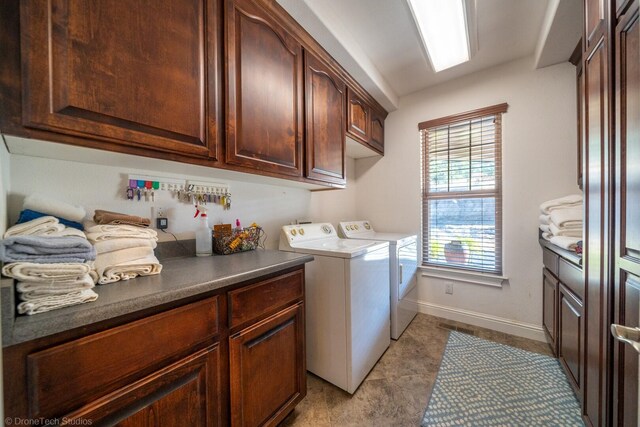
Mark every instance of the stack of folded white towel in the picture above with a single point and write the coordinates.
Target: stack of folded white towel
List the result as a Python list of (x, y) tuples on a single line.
[(123, 251), (561, 221), (51, 263)]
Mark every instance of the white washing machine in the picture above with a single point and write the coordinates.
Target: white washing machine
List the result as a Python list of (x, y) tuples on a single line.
[(403, 264), (346, 302)]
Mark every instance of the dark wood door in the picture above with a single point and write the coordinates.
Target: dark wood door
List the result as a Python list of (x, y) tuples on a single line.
[(264, 91), (627, 219), (141, 73), (595, 12), (597, 237), (358, 117), (570, 337), (550, 308), (267, 369), (184, 393), (377, 130), (325, 120)]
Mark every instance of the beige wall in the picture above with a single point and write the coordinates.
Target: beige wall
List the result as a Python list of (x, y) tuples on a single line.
[(539, 163)]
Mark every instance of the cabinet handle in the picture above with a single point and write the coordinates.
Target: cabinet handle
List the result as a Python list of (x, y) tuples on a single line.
[(627, 335), (400, 274)]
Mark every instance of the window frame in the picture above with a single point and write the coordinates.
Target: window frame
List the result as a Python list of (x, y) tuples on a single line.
[(423, 127)]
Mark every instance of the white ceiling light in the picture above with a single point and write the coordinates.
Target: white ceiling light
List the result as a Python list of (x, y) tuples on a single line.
[(443, 27)]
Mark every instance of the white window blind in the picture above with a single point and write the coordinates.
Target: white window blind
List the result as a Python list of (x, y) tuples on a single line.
[(462, 191)]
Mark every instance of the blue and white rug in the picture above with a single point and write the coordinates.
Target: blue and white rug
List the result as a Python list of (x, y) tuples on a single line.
[(483, 383)]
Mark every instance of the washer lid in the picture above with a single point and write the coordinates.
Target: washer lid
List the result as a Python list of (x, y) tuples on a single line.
[(364, 230)]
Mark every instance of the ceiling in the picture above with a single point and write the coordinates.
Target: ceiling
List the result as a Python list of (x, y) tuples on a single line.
[(378, 43)]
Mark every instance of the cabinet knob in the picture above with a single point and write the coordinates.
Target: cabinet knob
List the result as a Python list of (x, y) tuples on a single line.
[(627, 335)]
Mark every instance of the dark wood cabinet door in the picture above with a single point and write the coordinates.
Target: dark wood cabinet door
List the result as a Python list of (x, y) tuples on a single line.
[(377, 130), (267, 369), (626, 260), (358, 117), (570, 337), (325, 122), (184, 393), (141, 73), (597, 235), (550, 309), (264, 91), (595, 12), (580, 108)]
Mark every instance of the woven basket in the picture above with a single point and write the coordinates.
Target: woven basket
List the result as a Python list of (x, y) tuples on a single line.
[(238, 241)]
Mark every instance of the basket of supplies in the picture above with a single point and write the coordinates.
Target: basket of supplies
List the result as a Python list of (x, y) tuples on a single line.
[(237, 240)]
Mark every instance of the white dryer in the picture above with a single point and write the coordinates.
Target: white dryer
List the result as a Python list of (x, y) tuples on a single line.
[(403, 264), (346, 302)]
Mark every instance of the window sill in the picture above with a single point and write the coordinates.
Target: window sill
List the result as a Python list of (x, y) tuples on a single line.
[(463, 276)]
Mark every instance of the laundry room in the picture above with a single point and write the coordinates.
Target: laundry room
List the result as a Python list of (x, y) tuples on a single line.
[(319, 212)]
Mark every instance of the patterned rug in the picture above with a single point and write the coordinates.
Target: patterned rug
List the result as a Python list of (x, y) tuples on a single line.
[(482, 383)]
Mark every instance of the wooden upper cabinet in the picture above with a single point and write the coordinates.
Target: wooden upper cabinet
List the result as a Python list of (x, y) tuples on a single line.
[(142, 73), (325, 122), (594, 15), (377, 130), (358, 117), (264, 91)]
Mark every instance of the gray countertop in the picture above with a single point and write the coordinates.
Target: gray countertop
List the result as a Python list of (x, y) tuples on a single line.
[(568, 255), (180, 278)]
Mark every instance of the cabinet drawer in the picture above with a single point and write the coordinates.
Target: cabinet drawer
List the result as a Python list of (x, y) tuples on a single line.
[(64, 377), (252, 302), (571, 277), (550, 260)]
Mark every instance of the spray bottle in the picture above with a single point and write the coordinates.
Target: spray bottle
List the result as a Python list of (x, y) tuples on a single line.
[(204, 244)]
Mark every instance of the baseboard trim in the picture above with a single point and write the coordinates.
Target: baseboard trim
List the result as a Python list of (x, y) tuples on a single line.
[(500, 324)]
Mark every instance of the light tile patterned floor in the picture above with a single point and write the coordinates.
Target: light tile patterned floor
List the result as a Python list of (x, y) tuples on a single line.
[(396, 391)]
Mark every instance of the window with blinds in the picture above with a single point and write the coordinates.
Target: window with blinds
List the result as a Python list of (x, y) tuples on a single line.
[(462, 191)]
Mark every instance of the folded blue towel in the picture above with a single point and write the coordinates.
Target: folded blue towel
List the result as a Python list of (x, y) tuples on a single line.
[(29, 215), (42, 249)]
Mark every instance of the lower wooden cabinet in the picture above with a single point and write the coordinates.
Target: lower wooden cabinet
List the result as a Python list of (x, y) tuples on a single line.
[(268, 369), (570, 331), (550, 309)]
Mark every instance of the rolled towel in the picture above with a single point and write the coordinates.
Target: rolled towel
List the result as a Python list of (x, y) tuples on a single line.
[(565, 231), (46, 250), (35, 289), (544, 219), (106, 217), (48, 205), (126, 264), (568, 201), (53, 302), (565, 242), (97, 233), (46, 273), (28, 215), (36, 227), (567, 217), (111, 245), (544, 228)]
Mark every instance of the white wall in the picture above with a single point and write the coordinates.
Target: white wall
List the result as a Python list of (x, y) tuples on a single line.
[(335, 205), (539, 163)]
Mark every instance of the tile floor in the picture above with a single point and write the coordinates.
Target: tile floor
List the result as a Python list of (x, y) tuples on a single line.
[(396, 391)]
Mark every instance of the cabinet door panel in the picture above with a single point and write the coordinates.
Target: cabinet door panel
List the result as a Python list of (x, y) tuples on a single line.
[(550, 309), (594, 19), (268, 369), (358, 117), (264, 92), (377, 131), (133, 72), (570, 337), (325, 122)]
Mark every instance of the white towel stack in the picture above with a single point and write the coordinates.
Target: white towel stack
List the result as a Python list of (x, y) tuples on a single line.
[(124, 251), (561, 221), (48, 286)]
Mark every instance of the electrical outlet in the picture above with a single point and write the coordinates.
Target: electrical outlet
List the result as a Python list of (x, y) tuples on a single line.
[(448, 288)]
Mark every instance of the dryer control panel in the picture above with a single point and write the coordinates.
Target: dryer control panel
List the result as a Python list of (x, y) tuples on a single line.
[(351, 229)]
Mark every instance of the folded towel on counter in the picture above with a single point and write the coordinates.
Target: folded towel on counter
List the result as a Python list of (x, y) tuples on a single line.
[(52, 302), (565, 231), (126, 264), (29, 215), (37, 227), (58, 208), (40, 249), (544, 228), (565, 242), (544, 219), (36, 289), (105, 246), (47, 273), (567, 217), (568, 201), (106, 217), (99, 232)]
